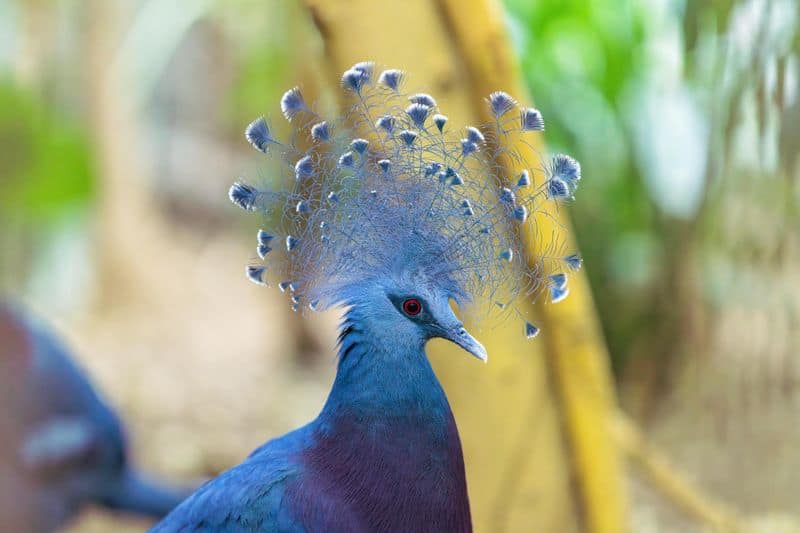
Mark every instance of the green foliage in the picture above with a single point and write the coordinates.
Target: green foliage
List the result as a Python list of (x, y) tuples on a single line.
[(579, 58), (262, 58), (47, 168), (716, 75)]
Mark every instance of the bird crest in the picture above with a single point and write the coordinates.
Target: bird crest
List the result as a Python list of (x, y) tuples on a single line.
[(391, 189)]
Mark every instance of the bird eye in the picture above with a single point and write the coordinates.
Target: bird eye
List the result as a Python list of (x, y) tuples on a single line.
[(412, 307)]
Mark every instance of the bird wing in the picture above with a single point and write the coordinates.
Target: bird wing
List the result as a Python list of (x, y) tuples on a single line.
[(248, 497), (57, 444), (135, 492)]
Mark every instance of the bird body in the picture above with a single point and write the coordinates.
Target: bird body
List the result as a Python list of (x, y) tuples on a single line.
[(383, 455), (61, 446), (391, 219)]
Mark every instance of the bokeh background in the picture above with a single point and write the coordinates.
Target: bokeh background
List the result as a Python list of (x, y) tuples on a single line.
[(121, 128)]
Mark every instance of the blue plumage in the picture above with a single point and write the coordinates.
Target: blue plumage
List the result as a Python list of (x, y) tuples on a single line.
[(292, 103), (244, 196), (320, 132), (391, 79), (418, 113), (61, 447), (557, 188), (500, 103), (256, 273), (399, 219), (258, 135), (573, 261), (422, 99), (531, 120), (384, 453)]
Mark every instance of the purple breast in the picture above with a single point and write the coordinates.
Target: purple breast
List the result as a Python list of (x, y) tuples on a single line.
[(383, 476)]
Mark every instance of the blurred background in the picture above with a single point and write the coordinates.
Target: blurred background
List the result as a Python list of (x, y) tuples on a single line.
[(121, 129)]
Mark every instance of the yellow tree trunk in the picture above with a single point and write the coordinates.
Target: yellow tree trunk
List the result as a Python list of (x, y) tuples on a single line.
[(535, 420)]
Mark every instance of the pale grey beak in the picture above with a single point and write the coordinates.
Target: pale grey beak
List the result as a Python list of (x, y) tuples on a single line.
[(461, 336)]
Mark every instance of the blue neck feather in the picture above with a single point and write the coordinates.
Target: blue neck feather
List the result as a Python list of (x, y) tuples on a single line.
[(382, 379)]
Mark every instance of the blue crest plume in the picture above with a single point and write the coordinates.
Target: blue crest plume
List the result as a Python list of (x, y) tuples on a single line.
[(474, 135), (366, 68), (558, 294), (386, 123), (391, 79), (524, 179), (468, 147), (380, 194), (346, 160), (292, 103), (243, 195), (263, 250), (520, 213), (559, 280), (320, 132), (422, 98), (500, 103), (257, 134), (567, 170), (255, 273), (263, 237), (304, 168), (418, 113), (359, 145), (558, 287), (557, 188), (574, 261), (357, 76), (440, 120), (531, 120), (433, 169), (408, 137)]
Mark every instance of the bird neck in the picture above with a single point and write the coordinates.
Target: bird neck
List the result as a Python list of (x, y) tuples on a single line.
[(387, 426), (386, 376)]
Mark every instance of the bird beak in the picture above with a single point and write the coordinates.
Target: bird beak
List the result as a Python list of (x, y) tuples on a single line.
[(461, 336)]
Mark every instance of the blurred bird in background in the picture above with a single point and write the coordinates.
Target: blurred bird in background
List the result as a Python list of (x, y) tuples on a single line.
[(396, 218), (61, 446)]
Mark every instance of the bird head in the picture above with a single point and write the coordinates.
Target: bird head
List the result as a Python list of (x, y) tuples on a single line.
[(409, 308), (393, 211), (430, 315)]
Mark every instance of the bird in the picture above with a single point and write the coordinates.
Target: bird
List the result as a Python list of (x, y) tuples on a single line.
[(61, 446), (397, 221)]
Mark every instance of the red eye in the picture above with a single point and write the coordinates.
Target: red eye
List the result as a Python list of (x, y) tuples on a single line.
[(412, 307)]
